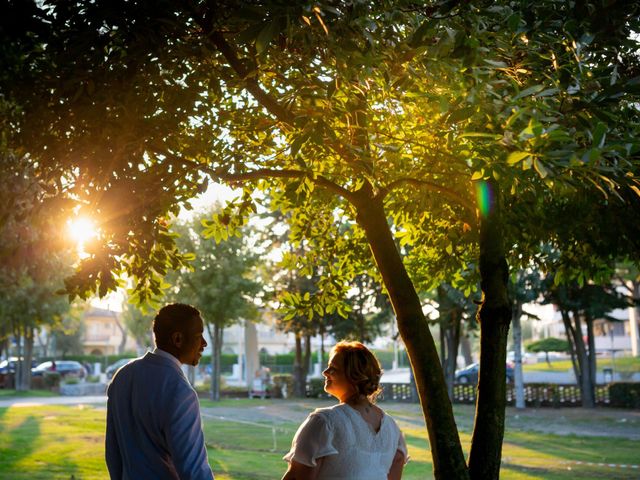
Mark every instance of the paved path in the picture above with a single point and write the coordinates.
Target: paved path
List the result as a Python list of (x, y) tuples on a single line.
[(38, 401), (401, 375)]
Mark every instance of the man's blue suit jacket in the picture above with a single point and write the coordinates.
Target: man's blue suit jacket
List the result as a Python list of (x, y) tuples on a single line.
[(154, 430)]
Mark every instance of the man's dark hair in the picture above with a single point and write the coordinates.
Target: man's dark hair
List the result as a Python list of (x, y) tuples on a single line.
[(175, 317)]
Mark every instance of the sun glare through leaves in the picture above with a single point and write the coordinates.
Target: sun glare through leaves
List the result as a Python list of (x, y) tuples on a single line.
[(81, 231)]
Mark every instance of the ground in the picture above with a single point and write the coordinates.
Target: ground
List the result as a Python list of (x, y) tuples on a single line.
[(599, 422)]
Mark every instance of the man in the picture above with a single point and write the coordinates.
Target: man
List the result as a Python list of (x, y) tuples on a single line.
[(154, 430)]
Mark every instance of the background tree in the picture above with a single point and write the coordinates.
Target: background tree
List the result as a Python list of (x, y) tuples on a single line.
[(221, 282), (550, 344), (454, 309), (68, 334), (524, 287), (138, 323), (581, 306)]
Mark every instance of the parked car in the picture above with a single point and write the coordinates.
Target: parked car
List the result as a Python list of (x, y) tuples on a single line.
[(63, 367), (113, 368), (8, 369), (469, 374)]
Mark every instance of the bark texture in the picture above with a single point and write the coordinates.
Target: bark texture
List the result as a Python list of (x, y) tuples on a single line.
[(448, 459), (494, 317)]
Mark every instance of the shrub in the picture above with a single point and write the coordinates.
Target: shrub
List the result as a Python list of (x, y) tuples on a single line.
[(282, 385), (51, 379), (624, 395), (315, 388), (71, 381), (93, 378)]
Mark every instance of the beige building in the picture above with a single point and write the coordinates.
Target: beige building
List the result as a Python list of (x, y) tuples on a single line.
[(104, 333)]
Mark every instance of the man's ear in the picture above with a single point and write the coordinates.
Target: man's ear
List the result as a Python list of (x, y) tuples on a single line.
[(176, 339)]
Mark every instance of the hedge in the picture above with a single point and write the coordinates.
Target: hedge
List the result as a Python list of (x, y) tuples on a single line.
[(624, 395)]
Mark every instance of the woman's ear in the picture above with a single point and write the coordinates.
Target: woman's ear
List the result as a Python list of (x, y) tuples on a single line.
[(176, 339)]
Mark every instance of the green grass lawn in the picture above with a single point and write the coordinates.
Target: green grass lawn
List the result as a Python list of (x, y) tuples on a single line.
[(56, 442), (8, 393), (620, 365)]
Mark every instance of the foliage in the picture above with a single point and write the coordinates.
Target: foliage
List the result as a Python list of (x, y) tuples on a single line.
[(282, 385), (220, 279), (138, 323), (550, 344), (69, 333), (51, 379), (315, 388), (624, 395)]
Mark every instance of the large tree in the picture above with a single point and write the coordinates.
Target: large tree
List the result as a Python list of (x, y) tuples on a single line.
[(381, 112)]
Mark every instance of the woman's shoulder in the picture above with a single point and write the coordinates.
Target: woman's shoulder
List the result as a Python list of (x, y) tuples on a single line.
[(330, 413), (389, 422)]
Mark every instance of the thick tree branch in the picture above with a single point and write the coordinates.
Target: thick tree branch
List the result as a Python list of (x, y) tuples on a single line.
[(264, 173), (258, 174), (434, 187), (268, 102)]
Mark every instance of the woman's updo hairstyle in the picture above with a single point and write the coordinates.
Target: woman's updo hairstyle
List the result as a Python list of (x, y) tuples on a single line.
[(360, 367)]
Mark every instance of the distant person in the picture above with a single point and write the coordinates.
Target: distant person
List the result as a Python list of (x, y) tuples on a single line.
[(354, 439), (154, 430)]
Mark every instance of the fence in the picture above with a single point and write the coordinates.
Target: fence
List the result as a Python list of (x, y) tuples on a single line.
[(535, 394)]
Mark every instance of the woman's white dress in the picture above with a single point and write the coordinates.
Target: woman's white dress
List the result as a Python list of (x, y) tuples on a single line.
[(351, 447)]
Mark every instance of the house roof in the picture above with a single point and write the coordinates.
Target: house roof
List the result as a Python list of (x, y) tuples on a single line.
[(100, 312)]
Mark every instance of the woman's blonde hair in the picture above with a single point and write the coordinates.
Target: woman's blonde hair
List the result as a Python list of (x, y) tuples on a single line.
[(361, 368)]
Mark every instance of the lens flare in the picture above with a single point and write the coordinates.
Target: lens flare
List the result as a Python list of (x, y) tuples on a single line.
[(485, 197)]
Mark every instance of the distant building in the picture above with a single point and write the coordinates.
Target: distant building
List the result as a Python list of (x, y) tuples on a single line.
[(104, 333), (609, 336)]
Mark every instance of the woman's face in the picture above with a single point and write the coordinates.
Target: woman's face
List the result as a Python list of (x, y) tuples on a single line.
[(336, 382)]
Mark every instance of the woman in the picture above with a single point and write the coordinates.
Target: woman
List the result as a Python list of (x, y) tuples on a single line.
[(354, 439)]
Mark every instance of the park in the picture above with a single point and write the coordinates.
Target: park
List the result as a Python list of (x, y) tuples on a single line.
[(455, 182)]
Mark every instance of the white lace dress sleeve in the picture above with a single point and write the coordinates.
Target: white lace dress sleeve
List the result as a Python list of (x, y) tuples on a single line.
[(313, 440)]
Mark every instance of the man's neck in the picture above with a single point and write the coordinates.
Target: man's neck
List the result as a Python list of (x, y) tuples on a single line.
[(171, 352)]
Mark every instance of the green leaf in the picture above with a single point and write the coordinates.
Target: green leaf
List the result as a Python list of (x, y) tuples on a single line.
[(548, 92), (529, 91), (491, 136), (461, 114), (478, 175), (599, 134), (266, 35), (513, 22), (537, 164), (496, 64), (515, 157)]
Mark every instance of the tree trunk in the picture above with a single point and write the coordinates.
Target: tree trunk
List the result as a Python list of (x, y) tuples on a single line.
[(494, 317), (448, 459), (591, 355), (586, 387), (299, 377), (465, 347), (23, 372), (634, 318), (570, 333), (307, 356), (450, 320), (123, 340), (216, 350), (518, 377)]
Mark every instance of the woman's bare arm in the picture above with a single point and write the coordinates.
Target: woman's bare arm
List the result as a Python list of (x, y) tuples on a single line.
[(395, 472), (299, 471)]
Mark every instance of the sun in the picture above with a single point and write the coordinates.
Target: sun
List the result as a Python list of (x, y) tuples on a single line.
[(82, 230)]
